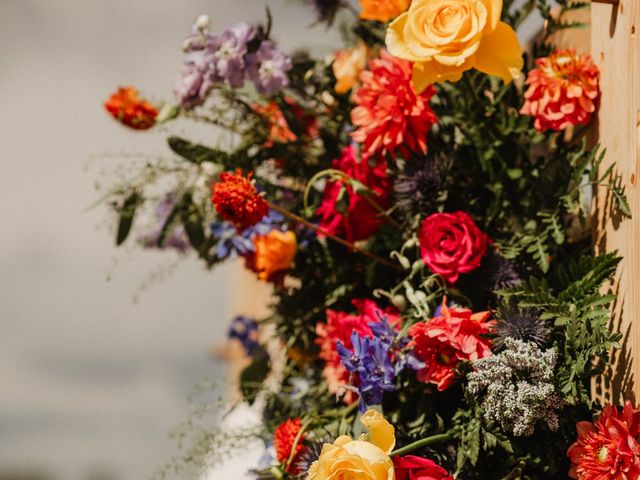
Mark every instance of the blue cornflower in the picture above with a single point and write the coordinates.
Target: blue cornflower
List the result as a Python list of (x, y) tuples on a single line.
[(245, 330), (230, 242)]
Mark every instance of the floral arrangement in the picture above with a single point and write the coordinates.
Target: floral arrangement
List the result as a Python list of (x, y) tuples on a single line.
[(419, 203)]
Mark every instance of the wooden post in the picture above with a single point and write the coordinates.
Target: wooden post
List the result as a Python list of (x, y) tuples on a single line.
[(615, 48)]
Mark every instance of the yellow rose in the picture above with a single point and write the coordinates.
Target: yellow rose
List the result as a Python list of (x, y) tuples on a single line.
[(447, 37), (363, 459)]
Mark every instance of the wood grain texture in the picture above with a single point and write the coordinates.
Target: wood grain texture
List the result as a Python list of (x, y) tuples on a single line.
[(616, 49)]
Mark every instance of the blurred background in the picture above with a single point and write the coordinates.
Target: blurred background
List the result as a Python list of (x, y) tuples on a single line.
[(99, 348)]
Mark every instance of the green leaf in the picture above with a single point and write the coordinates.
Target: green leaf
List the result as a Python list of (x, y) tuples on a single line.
[(127, 212), (197, 154), (192, 219), (254, 375)]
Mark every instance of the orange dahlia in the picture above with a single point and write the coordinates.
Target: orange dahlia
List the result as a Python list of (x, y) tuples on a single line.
[(382, 10), (563, 91), (126, 106), (389, 114), (279, 131), (454, 335), (284, 438), (608, 449), (237, 200)]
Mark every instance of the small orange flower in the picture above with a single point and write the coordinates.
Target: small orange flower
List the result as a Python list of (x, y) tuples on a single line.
[(348, 65), (274, 253), (279, 131), (382, 10), (237, 200), (283, 440), (126, 106)]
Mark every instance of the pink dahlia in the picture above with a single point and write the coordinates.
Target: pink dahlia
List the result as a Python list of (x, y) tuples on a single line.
[(563, 91), (456, 334), (608, 449), (359, 218), (389, 114), (339, 327)]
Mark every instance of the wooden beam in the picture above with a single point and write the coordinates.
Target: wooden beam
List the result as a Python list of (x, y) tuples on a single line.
[(615, 48)]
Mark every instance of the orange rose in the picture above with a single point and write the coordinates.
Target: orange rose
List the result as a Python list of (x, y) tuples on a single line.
[(382, 10), (348, 65), (274, 252), (444, 38)]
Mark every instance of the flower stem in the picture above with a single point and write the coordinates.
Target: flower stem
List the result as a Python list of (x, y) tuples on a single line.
[(423, 442), (351, 246)]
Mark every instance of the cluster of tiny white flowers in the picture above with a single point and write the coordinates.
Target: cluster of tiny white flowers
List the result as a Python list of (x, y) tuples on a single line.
[(516, 389)]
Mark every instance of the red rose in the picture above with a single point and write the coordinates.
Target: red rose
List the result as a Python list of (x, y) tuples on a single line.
[(451, 244), (411, 467), (359, 219)]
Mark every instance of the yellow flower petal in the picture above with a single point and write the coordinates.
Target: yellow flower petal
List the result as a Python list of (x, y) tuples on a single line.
[(381, 432), (494, 7), (500, 53), (427, 73), (396, 44)]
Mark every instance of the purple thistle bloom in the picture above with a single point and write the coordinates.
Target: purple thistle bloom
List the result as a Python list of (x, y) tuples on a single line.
[(245, 330), (268, 68)]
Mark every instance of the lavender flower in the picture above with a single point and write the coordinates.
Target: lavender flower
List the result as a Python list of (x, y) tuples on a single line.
[(176, 238), (229, 52), (268, 68), (245, 330)]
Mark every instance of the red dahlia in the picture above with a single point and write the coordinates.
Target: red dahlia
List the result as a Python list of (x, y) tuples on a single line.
[(283, 440), (608, 449), (128, 108), (237, 200)]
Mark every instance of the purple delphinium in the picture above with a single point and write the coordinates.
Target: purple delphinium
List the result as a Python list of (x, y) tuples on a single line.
[(245, 330), (376, 361), (268, 68), (175, 239), (229, 51), (232, 242)]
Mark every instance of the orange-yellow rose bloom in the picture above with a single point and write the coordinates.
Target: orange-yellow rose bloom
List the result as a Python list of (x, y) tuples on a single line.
[(382, 10), (274, 252), (348, 65), (444, 38), (364, 459)]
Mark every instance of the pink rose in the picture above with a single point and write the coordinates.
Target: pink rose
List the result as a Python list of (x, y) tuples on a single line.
[(411, 467), (451, 244)]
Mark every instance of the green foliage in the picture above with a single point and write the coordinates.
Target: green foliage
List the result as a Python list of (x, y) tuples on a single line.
[(126, 212), (195, 153), (254, 375)]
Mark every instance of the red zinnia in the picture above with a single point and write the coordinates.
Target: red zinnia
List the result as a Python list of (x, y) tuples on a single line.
[(283, 440), (128, 108), (457, 334), (562, 91), (608, 449), (339, 327), (389, 113), (237, 200), (360, 219)]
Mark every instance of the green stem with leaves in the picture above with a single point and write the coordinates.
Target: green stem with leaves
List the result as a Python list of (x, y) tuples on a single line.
[(423, 442)]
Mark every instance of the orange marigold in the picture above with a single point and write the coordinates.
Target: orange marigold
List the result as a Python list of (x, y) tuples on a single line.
[(126, 106), (237, 200), (283, 439), (389, 114), (382, 10), (563, 91), (608, 449)]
